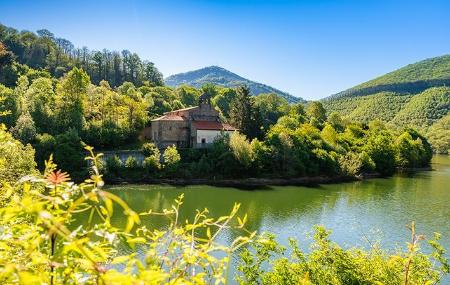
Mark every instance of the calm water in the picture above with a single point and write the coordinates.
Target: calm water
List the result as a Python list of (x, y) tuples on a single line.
[(375, 210)]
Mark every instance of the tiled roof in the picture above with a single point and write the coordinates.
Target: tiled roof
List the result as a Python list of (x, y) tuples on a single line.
[(181, 110), (210, 125), (170, 117)]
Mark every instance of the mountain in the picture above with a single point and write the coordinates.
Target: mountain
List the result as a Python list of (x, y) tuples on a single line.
[(220, 76), (417, 95), (413, 78)]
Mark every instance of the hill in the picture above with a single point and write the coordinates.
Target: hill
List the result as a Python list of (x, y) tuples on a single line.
[(413, 78), (220, 76), (417, 95)]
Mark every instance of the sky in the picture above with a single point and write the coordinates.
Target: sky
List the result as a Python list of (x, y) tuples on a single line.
[(311, 49)]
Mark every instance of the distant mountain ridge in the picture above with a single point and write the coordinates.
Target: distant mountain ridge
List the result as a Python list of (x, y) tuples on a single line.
[(223, 77)]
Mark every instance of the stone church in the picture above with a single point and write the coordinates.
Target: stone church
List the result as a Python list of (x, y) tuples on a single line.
[(193, 127)]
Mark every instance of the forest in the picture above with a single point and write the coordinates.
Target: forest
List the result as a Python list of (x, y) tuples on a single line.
[(59, 113)]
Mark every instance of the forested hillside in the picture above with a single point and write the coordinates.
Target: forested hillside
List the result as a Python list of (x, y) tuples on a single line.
[(414, 96), (413, 78), (21, 50), (222, 77)]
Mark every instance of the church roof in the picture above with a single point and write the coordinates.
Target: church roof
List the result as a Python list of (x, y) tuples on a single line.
[(181, 110), (211, 125), (170, 117)]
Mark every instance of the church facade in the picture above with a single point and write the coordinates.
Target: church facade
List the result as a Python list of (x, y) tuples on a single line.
[(193, 127)]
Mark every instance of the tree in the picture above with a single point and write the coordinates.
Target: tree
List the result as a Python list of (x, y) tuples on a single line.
[(270, 107), (16, 160), (316, 111), (241, 111), (25, 129), (171, 159), (41, 100), (381, 150), (71, 98), (241, 149)]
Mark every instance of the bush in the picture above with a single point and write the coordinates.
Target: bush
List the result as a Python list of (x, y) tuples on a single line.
[(16, 160), (131, 163), (43, 243), (152, 163), (113, 165), (241, 149), (171, 159), (149, 149), (267, 263)]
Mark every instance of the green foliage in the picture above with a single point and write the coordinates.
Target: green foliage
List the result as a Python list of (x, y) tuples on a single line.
[(113, 165), (356, 163), (68, 153), (171, 159), (25, 129), (316, 111), (131, 163), (149, 149), (70, 100), (152, 163), (414, 96), (46, 52), (16, 160), (45, 247), (45, 145), (266, 262), (381, 149), (439, 134), (241, 149)]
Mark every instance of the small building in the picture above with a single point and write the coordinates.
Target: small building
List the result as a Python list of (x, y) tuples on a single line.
[(193, 127)]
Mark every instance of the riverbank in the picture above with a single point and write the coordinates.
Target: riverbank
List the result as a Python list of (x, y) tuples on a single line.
[(258, 183), (248, 183)]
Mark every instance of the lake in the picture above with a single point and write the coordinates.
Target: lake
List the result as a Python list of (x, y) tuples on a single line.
[(358, 213)]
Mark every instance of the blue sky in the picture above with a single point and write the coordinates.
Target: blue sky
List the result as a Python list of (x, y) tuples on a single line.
[(310, 49)]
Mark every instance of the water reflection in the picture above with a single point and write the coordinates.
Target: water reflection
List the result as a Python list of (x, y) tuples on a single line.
[(376, 209)]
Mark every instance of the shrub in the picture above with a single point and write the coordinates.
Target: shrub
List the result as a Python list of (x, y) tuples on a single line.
[(266, 263), (171, 159), (149, 149), (241, 149), (16, 160), (131, 163), (152, 163), (113, 165), (42, 244)]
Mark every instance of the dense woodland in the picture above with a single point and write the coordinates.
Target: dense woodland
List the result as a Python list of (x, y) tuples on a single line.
[(58, 113), (44, 51)]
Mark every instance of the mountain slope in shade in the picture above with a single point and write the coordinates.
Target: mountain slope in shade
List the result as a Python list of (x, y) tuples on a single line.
[(220, 76)]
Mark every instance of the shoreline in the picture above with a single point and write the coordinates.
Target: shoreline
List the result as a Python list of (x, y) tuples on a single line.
[(247, 183), (253, 183)]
